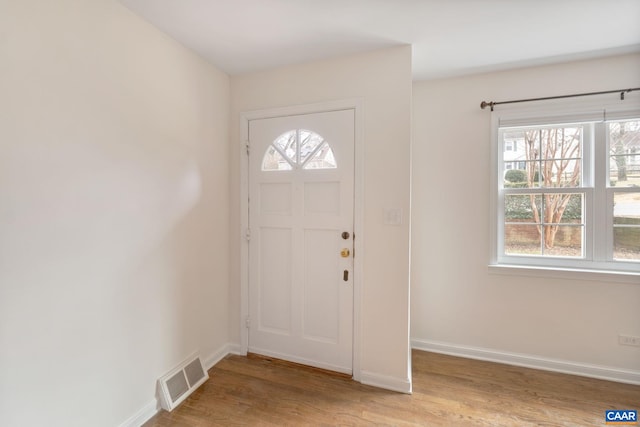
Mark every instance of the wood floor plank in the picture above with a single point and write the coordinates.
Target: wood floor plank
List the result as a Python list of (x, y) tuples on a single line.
[(447, 391)]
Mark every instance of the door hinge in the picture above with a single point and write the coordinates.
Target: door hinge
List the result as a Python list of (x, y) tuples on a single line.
[(247, 234), (247, 322), (246, 146)]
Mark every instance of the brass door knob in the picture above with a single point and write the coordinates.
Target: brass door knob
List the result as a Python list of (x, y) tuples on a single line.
[(345, 253)]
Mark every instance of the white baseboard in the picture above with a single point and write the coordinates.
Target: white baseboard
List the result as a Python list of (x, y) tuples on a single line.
[(152, 408), (210, 361), (529, 361), (386, 382), (143, 415)]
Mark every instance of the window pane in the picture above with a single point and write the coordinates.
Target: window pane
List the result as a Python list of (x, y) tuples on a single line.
[(563, 224), (514, 175), (549, 157), (561, 155), (534, 177), (626, 226), (563, 208), (522, 239), (567, 240), (514, 160), (548, 224), (624, 148), (522, 208), (521, 229)]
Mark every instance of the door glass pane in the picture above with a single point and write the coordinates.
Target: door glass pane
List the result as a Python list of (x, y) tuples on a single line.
[(287, 143), (322, 159), (298, 149), (309, 141), (273, 161)]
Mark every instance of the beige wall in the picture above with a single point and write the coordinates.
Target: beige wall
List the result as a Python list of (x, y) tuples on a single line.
[(113, 211), (382, 79), (454, 299)]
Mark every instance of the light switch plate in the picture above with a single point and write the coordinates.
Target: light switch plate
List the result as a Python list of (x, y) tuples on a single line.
[(392, 216)]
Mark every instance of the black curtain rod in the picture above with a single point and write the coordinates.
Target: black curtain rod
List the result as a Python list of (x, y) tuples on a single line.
[(485, 104)]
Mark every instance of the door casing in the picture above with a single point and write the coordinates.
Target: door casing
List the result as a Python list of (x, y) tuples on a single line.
[(245, 118)]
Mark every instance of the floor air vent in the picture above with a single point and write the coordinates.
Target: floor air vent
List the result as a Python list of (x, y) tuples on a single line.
[(181, 382)]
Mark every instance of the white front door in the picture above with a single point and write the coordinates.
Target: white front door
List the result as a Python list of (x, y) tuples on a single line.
[(301, 198)]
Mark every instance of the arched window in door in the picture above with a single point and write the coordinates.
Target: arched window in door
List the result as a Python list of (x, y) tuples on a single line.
[(298, 149)]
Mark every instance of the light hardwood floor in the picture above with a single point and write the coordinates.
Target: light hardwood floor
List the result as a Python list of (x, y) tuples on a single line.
[(447, 391)]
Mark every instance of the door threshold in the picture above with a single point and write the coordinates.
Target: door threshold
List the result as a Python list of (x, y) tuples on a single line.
[(282, 362)]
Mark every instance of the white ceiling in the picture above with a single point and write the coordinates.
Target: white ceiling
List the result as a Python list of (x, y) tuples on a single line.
[(449, 37)]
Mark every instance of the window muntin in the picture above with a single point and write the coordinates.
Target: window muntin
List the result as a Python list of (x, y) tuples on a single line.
[(558, 207), (299, 148)]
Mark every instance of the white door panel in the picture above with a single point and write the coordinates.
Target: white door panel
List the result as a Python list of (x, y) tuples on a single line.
[(300, 203)]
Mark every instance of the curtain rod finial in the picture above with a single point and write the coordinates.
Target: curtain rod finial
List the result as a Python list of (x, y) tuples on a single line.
[(485, 104)]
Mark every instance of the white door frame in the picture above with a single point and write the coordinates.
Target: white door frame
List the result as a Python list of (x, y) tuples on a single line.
[(358, 208)]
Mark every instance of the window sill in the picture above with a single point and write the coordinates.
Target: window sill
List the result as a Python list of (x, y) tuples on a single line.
[(565, 273)]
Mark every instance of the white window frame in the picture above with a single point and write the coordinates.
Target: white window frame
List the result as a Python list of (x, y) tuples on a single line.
[(598, 241)]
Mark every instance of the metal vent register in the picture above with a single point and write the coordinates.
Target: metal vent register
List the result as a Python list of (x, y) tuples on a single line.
[(178, 384)]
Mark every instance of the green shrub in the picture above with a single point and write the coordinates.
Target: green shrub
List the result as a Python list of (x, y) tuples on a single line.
[(515, 175), (518, 206)]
